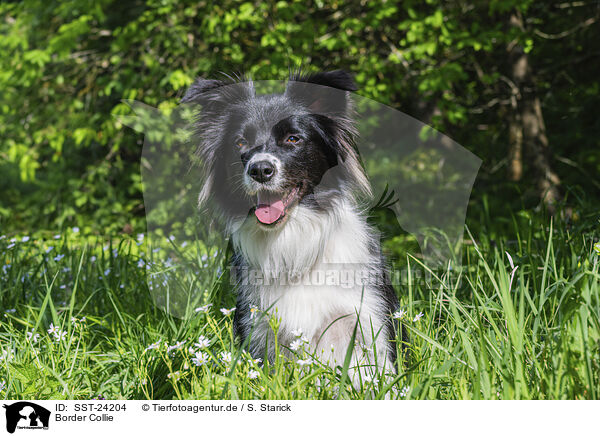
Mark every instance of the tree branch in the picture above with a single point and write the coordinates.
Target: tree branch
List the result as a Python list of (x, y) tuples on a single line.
[(560, 35)]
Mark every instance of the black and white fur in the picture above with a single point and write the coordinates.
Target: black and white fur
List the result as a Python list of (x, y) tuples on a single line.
[(296, 149)]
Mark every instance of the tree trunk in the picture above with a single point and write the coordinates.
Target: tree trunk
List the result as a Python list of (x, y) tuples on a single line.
[(527, 129), (515, 151)]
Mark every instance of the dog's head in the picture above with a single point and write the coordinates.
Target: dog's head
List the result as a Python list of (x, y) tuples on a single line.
[(264, 155)]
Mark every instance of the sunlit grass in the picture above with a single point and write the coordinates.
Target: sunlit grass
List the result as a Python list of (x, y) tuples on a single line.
[(78, 321)]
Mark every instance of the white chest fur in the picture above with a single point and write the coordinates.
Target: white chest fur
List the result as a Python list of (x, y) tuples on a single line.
[(313, 274)]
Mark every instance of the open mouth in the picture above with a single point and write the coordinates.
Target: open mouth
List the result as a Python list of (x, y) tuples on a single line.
[(272, 206)]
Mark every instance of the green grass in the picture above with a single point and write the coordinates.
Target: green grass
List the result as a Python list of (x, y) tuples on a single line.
[(487, 338)]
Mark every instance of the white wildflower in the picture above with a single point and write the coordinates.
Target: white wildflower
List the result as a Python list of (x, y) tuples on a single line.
[(154, 346), (248, 357), (225, 356), (253, 311), (306, 362), (253, 374), (404, 391), (203, 342), (418, 316), (60, 335), (200, 358), (227, 312), (398, 314), (32, 337), (296, 345), (53, 329), (297, 332), (203, 309), (175, 347)]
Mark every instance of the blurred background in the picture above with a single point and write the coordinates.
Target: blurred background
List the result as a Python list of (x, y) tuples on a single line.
[(515, 82)]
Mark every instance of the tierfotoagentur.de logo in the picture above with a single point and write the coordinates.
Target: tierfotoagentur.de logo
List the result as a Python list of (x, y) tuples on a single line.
[(25, 415)]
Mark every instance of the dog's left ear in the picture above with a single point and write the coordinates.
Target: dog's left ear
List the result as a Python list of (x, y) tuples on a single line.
[(324, 92)]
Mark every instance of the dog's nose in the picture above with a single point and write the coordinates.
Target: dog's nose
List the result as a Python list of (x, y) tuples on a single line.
[(261, 171)]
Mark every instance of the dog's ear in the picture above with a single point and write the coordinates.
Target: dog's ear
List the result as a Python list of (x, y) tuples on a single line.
[(324, 92), (201, 91), (213, 94), (339, 79)]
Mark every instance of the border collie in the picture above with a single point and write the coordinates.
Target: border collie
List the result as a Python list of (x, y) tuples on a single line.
[(283, 173)]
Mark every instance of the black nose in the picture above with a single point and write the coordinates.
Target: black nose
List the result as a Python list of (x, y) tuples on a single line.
[(261, 171)]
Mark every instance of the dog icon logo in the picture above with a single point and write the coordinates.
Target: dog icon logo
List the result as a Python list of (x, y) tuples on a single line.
[(26, 415)]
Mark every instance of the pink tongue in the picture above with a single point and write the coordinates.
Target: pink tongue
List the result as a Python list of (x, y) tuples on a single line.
[(269, 213)]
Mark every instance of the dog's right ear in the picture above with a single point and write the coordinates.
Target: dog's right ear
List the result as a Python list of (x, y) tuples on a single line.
[(202, 91), (213, 94)]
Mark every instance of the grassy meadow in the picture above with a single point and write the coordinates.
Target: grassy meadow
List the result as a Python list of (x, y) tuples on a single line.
[(78, 322), (515, 83)]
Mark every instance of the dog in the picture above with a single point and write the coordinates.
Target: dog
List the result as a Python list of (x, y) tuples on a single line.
[(283, 172)]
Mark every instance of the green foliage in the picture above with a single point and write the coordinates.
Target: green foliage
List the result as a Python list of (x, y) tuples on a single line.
[(65, 67)]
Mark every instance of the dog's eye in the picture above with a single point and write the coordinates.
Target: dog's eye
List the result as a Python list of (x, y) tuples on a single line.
[(292, 139), (240, 142)]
